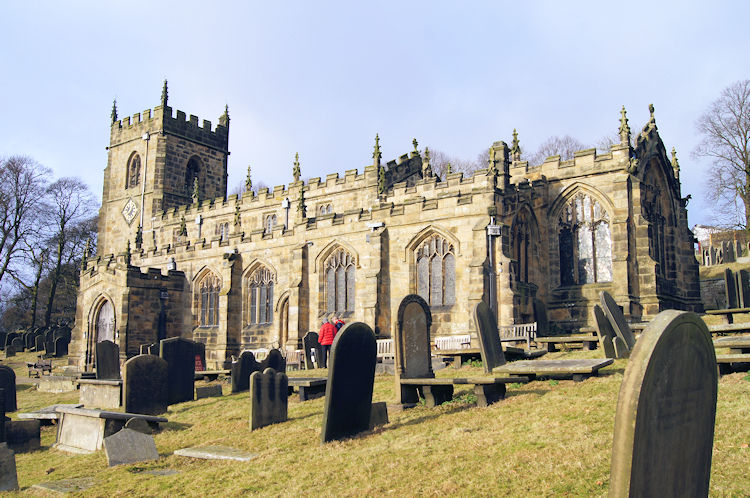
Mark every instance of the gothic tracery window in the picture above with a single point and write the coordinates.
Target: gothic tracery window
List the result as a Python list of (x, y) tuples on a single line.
[(134, 171), (258, 309), (436, 271), (339, 282), (268, 223), (208, 300), (585, 242), (222, 230)]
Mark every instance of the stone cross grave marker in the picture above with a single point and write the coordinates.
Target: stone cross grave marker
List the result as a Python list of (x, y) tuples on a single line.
[(605, 332), (313, 350), (489, 337), (179, 354), (8, 383), (107, 358), (129, 446), (413, 358), (144, 387), (351, 375), (8, 475), (666, 410), (617, 319), (241, 370), (269, 394)]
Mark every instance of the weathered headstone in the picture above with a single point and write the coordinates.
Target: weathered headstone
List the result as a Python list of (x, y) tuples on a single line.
[(274, 359), (61, 347), (540, 316), (351, 375), (9, 350), (8, 475), (731, 288), (605, 332), (8, 383), (17, 344), (666, 410), (241, 370), (313, 350), (743, 289), (268, 398), (378, 414), (129, 446), (209, 391), (144, 387), (2, 415), (179, 354), (107, 360), (39, 343), (23, 435), (617, 319), (489, 338)]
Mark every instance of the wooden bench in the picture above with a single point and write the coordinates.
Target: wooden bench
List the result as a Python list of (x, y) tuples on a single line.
[(437, 391), (294, 357), (309, 387), (519, 332), (577, 369), (729, 328), (736, 344), (589, 341), (385, 349), (729, 363), (728, 314), (39, 367)]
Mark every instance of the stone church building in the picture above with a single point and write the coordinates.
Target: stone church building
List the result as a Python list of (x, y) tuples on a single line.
[(178, 257)]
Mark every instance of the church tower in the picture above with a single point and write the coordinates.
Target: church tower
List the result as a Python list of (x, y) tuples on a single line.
[(157, 161)]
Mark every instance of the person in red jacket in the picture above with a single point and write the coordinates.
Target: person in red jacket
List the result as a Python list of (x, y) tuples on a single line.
[(338, 323), (325, 338)]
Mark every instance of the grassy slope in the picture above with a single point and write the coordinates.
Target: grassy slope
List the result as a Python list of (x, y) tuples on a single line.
[(546, 438)]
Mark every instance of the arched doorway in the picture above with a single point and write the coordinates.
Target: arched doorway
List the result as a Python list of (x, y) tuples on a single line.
[(103, 329)]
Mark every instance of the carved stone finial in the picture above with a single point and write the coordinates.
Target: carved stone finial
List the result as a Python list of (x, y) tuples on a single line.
[(376, 155), (183, 227), (248, 180), (301, 206), (139, 237), (224, 118), (114, 111), (624, 128), (652, 119), (128, 254), (381, 180), (492, 164), (415, 144), (85, 257), (515, 147), (196, 191), (426, 168), (237, 218), (164, 94), (449, 169), (296, 171)]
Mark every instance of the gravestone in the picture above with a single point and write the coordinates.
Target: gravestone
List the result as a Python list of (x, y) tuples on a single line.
[(210, 391), (107, 360), (28, 340), (2, 415), (8, 475), (61, 347), (179, 354), (489, 337), (605, 332), (743, 289), (617, 319), (3, 336), (241, 370), (129, 446), (351, 375), (540, 316), (17, 344), (313, 350), (666, 410), (274, 359), (413, 359), (10, 350), (731, 288), (39, 343), (8, 383), (144, 387), (200, 356), (9, 338), (49, 343), (378, 414), (268, 398), (23, 435)]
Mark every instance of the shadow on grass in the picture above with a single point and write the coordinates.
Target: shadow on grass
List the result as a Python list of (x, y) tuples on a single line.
[(24, 387), (174, 426), (519, 392), (434, 413)]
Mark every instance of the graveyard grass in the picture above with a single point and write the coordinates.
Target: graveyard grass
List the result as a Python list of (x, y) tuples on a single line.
[(545, 438)]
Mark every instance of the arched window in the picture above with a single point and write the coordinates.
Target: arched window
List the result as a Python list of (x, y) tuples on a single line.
[(436, 271), (269, 222), (325, 209), (222, 230), (258, 309), (339, 282), (585, 242), (192, 172), (208, 302), (134, 171)]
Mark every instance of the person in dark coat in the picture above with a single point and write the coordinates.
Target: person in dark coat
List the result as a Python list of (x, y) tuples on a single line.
[(325, 338)]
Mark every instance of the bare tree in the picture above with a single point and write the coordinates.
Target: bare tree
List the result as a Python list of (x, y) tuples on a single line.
[(441, 163), (565, 147), (22, 189), (725, 128), (70, 204)]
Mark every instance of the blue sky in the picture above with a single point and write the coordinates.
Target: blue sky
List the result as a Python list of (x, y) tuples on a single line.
[(321, 78)]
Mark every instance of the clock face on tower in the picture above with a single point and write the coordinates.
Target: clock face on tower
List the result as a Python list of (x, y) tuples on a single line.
[(130, 211)]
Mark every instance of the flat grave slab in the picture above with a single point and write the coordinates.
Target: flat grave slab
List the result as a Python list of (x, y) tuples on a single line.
[(211, 391), (66, 485), (583, 367), (162, 472), (216, 452), (308, 387), (48, 412)]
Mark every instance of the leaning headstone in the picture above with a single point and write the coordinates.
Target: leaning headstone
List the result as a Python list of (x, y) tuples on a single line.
[(107, 360), (731, 288), (540, 316), (129, 446), (489, 338), (144, 386), (268, 398), (179, 354), (351, 376), (241, 370), (8, 383), (617, 319), (666, 410), (605, 332), (8, 475), (313, 350)]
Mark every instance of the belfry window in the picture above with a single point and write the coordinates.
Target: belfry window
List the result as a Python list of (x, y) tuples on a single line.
[(134, 171), (258, 309), (339, 283), (436, 271), (585, 242), (208, 302)]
